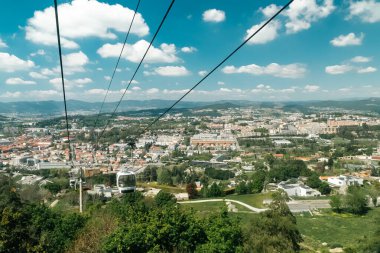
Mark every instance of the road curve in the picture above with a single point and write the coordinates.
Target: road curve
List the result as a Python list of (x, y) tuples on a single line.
[(254, 209)]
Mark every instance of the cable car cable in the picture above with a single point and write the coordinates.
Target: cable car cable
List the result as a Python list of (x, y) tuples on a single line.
[(216, 67), (137, 69), (117, 64), (63, 79)]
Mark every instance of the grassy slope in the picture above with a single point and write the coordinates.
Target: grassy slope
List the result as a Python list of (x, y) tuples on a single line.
[(338, 229)]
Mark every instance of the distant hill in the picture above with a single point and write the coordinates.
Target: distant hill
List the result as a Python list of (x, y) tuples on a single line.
[(54, 108)]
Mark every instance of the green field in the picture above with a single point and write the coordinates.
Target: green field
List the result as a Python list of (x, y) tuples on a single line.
[(255, 200), (336, 229), (167, 188)]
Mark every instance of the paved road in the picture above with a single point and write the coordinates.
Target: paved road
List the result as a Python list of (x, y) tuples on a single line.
[(297, 206), (254, 209)]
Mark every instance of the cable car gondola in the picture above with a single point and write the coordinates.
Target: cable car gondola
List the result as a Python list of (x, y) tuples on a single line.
[(126, 181)]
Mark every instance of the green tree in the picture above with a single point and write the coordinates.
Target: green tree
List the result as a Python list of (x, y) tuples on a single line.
[(214, 190), (274, 230), (164, 177), (356, 201), (164, 198), (336, 203), (223, 232), (191, 189), (241, 188)]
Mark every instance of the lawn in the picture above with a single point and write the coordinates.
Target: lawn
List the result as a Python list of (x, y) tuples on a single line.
[(336, 229), (255, 200), (167, 188), (210, 207)]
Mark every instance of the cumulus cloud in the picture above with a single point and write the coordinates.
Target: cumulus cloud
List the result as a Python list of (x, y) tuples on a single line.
[(11, 63), (347, 40), (39, 52), (338, 69), (70, 84), (165, 54), (361, 59), (3, 44), (302, 13), (367, 11), (74, 62), (171, 71), (285, 71), (267, 34), (37, 75), (367, 70), (83, 19), (221, 83), (152, 91), (188, 49), (202, 72), (18, 81), (311, 88), (214, 15), (270, 10)]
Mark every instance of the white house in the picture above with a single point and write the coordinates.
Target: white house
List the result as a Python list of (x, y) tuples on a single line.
[(345, 180), (298, 190)]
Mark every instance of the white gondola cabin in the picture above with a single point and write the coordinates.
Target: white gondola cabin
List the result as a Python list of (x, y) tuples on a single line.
[(126, 181)]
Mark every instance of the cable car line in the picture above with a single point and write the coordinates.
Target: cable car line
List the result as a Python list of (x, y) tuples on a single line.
[(117, 64), (62, 78), (215, 68), (137, 69)]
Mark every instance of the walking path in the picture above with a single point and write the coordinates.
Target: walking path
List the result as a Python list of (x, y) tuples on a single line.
[(254, 209)]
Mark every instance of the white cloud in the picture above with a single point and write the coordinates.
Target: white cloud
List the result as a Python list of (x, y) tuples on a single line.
[(83, 19), (338, 69), (311, 88), (285, 71), (37, 75), (17, 81), (165, 54), (221, 83), (268, 33), (39, 52), (99, 69), (270, 10), (74, 62), (262, 88), (345, 90), (202, 72), (70, 84), (367, 70), (347, 40), (132, 82), (302, 13), (188, 49), (136, 88), (11, 63), (3, 44), (107, 78), (83, 81), (214, 15), (152, 91), (9, 94), (367, 11), (361, 59), (166, 91), (172, 71), (47, 72)]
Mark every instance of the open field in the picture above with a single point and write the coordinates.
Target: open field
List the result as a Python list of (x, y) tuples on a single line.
[(255, 200), (336, 229)]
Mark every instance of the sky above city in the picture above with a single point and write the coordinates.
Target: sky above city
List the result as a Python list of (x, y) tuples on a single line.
[(313, 50)]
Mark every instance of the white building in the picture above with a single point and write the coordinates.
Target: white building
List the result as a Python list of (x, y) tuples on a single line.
[(298, 190), (345, 180)]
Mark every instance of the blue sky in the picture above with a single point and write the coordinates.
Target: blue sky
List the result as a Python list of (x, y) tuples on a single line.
[(314, 50)]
